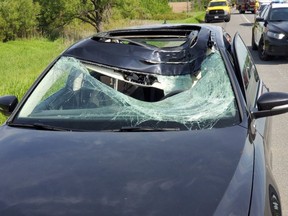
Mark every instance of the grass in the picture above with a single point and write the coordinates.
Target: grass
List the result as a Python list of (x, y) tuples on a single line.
[(22, 62), (196, 17)]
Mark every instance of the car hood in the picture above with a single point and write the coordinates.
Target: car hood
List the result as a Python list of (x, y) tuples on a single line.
[(279, 26), (218, 8), (104, 173)]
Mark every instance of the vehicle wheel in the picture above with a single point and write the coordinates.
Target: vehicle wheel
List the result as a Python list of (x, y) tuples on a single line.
[(261, 51), (254, 45), (227, 20)]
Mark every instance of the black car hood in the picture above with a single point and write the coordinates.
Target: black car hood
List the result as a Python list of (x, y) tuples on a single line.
[(279, 26), (104, 173)]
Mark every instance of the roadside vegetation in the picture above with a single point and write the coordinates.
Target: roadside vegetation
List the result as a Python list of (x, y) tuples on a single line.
[(32, 37), (21, 63), (57, 18)]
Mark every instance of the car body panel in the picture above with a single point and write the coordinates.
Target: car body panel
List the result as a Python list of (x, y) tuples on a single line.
[(275, 46), (112, 174), (257, 29)]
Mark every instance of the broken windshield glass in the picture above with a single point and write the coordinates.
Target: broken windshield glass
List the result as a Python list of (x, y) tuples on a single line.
[(80, 91)]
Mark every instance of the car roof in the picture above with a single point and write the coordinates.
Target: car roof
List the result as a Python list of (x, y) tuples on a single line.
[(264, 3), (279, 5), (127, 49)]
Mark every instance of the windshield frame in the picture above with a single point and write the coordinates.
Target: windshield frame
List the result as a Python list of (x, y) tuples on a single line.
[(218, 4), (149, 123)]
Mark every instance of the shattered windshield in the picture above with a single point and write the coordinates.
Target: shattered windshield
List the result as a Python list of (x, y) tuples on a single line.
[(216, 4), (87, 96)]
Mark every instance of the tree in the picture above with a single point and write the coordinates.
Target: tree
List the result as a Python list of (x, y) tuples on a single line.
[(17, 18), (130, 9), (49, 17), (95, 12), (153, 7), (54, 15), (199, 5)]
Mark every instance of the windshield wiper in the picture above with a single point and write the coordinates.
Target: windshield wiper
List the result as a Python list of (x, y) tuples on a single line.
[(144, 129), (40, 126)]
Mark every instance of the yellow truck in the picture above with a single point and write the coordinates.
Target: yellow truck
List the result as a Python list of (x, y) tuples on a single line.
[(218, 10)]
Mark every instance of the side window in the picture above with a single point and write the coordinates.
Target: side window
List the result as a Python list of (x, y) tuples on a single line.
[(265, 12), (247, 71)]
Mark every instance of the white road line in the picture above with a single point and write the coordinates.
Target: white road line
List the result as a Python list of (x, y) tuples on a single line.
[(245, 18)]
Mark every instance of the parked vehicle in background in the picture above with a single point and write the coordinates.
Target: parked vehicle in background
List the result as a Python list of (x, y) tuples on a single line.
[(261, 9), (246, 5), (162, 120), (270, 31), (218, 10)]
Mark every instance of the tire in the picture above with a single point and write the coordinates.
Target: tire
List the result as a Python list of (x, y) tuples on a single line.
[(227, 20), (261, 51), (254, 45)]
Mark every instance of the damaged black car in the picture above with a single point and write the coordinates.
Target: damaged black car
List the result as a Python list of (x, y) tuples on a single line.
[(155, 120)]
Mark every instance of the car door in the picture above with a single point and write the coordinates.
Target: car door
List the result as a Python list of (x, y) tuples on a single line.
[(246, 72), (264, 196), (252, 88), (259, 25)]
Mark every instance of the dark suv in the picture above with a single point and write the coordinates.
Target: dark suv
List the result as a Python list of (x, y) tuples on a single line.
[(270, 31)]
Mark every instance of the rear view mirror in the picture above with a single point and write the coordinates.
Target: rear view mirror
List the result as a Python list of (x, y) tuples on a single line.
[(259, 19), (271, 103), (8, 104)]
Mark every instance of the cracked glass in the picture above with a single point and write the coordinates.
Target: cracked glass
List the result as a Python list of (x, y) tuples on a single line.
[(82, 95)]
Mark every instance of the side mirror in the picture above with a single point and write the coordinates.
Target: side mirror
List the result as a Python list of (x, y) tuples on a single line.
[(8, 104), (271, 103), (259, 19)]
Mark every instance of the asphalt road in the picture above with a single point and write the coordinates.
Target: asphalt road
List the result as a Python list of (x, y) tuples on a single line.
[(275, 75)]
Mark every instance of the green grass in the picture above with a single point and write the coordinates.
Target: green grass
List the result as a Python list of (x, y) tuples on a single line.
[(195, 17), (22, 61)]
